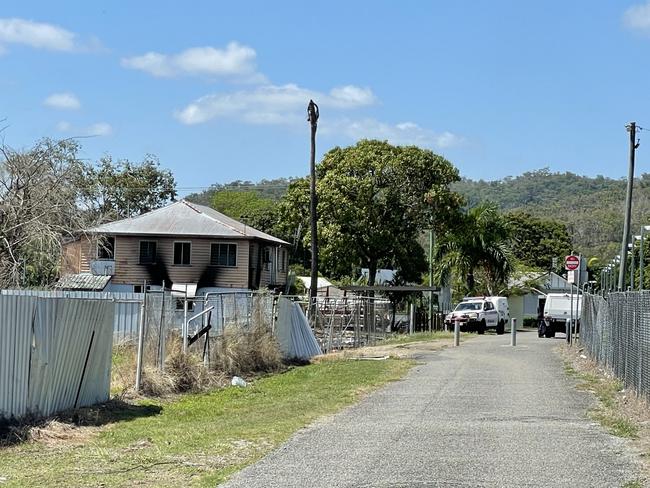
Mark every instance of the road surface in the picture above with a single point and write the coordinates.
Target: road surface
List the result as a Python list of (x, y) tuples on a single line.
[(481, 415)]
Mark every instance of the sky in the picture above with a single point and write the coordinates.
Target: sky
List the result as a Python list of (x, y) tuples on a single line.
[(218, 90)]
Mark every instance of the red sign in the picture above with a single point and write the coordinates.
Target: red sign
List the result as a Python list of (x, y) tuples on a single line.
[(571, 263)]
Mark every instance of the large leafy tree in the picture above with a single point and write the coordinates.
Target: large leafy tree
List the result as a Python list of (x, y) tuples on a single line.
[(478, 243), (247, 206), (535, 241), (121, 189), (373, 200)]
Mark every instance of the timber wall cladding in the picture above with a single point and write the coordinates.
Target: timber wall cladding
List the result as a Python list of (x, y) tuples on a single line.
[(128, 270), (55, 353)]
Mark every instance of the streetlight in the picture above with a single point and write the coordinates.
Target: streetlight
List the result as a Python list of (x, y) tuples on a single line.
[(641, 261)]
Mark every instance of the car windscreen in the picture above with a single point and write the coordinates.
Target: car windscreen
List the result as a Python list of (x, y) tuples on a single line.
[(469, 306)]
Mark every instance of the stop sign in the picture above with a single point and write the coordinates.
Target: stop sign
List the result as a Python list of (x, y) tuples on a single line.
[(571, 263)]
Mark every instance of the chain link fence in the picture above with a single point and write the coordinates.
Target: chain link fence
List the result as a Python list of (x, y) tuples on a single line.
[(615, 330)]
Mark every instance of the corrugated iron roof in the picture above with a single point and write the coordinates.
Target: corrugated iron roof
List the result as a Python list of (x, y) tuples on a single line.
[(83, 281), (183, 218)]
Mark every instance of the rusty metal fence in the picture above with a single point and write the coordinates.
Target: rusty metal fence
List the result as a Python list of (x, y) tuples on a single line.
[(615, 330)]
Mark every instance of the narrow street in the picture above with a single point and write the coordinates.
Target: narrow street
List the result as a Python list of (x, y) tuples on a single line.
[(482, 415)]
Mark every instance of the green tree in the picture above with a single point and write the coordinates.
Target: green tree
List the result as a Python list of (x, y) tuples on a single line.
[(478, 243), (121, 189), (536, 241), (373, 200), (247, 206)]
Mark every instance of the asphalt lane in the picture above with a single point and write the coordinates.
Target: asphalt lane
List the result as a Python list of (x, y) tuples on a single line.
[(481, 415)]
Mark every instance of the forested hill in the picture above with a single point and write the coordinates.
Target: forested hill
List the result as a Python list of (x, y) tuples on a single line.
[(271, 189), (591, 208)]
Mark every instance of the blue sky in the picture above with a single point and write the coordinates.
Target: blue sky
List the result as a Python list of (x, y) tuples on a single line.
[(218, 90)]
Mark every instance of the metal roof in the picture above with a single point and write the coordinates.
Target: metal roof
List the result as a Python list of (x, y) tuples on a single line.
[(183, 218), (83, 281)]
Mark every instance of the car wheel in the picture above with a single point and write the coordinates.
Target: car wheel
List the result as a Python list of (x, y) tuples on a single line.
[(481, 327), (501, 327)]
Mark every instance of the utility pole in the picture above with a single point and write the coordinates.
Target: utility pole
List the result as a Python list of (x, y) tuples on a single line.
[(628, 207), (312, 117), (431, 279)]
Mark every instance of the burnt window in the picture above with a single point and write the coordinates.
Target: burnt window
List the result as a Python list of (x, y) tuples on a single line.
[(147, 252), (182, 251), (223, 255), (267, 259), (106, 248)]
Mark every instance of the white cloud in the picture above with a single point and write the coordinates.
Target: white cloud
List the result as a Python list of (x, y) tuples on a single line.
[(63, 101), (272, 104), (404, 133), (94, 130), (637, 17), (235, 60), (36, 34)]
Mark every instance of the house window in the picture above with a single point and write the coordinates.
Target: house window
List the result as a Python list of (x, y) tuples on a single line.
[(283, 259), (267, 258), (106, 248), (182, 251), (147, 252), (223, 255), (180, 304)]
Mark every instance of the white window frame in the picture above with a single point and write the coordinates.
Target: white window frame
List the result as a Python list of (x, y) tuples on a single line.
[(224, 244), (174, 253)]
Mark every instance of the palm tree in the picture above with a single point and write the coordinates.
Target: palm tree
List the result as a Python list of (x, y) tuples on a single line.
[(477, 242)]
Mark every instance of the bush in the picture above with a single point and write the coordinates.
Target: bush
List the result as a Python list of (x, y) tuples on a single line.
[(243, 351), (530, 322)]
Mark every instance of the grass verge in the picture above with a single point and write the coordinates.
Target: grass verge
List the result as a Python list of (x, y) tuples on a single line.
[(417, 337), (199, 439), (618, 410), (607, 389)]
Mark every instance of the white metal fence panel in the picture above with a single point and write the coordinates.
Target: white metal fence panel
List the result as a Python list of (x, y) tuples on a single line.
[(127, 307), (56, 352)]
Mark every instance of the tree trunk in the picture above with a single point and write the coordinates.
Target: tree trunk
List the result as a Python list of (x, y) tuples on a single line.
[(470, 283)]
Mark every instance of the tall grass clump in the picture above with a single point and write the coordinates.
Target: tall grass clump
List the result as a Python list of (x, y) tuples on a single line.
[(244, 351)]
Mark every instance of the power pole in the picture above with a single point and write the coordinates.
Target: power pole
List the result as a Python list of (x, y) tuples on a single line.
[(628, 207), (312, 117), (431, 279)]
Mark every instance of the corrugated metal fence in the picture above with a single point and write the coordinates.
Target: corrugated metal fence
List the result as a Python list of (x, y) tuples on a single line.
[(127, 307), (615, 330), (55, 352)]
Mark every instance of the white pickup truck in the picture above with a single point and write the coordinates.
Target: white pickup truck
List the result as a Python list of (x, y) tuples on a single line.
[(480, 313), (557, 310)]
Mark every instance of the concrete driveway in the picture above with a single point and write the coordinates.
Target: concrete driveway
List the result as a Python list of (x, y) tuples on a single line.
[(482, 415)]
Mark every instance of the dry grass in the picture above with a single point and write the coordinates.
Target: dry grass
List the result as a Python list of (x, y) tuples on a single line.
[(243, 352), (246, 351), (620, 411), (71, 427)]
